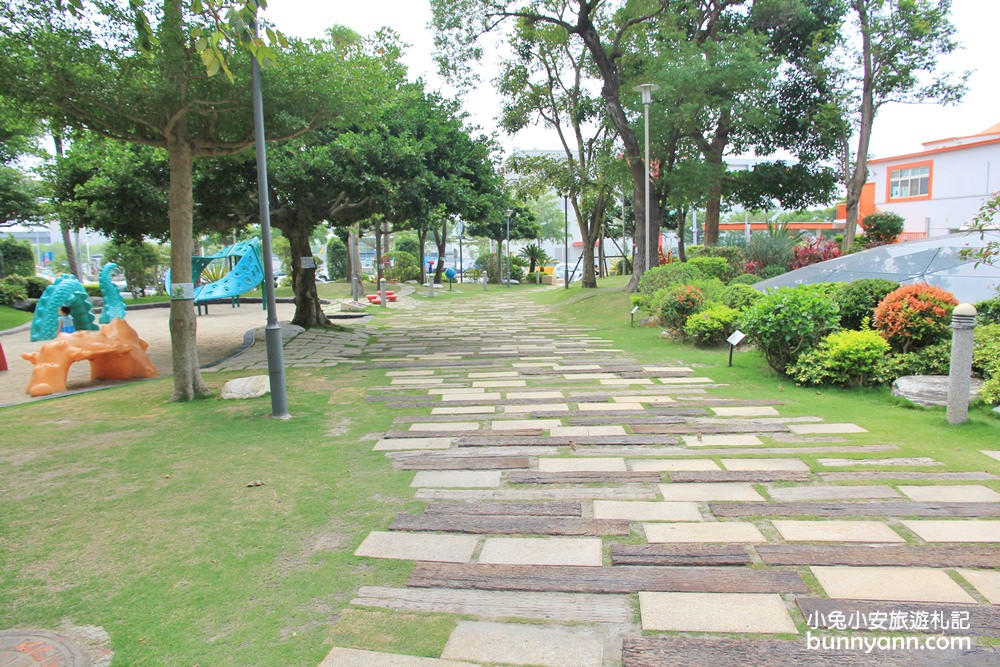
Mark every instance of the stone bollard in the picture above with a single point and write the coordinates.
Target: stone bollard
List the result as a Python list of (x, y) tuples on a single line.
[(355, 287), (382, 294), (963, 322), (485, 280)]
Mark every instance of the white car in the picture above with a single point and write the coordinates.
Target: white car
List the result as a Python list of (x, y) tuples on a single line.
[(561, 270)]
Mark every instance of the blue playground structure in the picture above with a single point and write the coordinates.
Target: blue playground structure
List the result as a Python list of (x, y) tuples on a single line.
[(246, 272)]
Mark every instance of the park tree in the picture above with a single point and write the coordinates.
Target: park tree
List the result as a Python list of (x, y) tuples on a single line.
[(138, 260), (140, 72), (896, 61), (504, 220), (604, 26), (549, 84)]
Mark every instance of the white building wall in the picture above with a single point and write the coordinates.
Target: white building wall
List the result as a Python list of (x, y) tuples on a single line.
[(960, 181)]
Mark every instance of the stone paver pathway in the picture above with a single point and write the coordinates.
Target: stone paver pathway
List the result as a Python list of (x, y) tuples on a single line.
[(568, 485)]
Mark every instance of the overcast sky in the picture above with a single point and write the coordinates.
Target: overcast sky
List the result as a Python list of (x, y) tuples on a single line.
[(899, 128)]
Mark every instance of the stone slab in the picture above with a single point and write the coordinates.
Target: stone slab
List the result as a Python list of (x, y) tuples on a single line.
[(836, 531), (722, 440), (446, 427), (408, 373), (582, 431), (794, 493), (929, 389), (522, 644), (350, 657), (496, 384), (592, 463), (610, 407), (730, 531), (589, 376), (667, 369), (399, 444), (713, 491), (418, 546), (916, 461), (807, 429), (687, 380), (533, 395), (952, 493), (991, 453), (945, 530), (678, 465), (465, 410), (987, 582), (617, 382), (470, 397), (745, 411), (537, 407), (765, 464), (494, 375), (646, 511), (763, 613), (416, 381), (583, 551), (456, 479), (650, 400), (447, 391), (519, 424), (903, 584)]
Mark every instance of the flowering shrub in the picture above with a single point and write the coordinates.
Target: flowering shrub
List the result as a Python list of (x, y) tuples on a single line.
[(711, 326), (813, 252), (790, 320), (914, 316), (676, 304), (847, 358), (986, 360), (882, 228), (753, 268)]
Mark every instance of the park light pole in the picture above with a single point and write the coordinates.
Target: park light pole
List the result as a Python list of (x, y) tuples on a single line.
[(647, 97), (272, 332), (509, 212)]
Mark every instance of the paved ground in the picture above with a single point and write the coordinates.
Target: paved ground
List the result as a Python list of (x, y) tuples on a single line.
[(586, 510)]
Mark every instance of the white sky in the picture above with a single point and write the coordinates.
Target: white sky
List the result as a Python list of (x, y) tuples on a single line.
[(899, 128)]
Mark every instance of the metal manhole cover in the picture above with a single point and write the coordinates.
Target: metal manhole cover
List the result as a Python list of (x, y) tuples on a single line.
[(37, 648)]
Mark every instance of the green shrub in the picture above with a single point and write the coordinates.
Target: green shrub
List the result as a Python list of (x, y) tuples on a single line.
[(336, 259), (986, 360), (857, 300), (675, 304), (669, 275), (882, 228), (712, 267), (775, 247), (93, 290), (622, 266), (711, 326), (845, 358), (740, 296), (745, 279), (13, 288), (989, 311), (404, 267), (734, 256), (772, 271), (914, 316), (788, 321), (931, 360), (18, 257), (711, 289)]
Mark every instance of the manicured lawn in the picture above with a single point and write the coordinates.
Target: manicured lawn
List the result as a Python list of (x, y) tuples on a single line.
[(11, 317)]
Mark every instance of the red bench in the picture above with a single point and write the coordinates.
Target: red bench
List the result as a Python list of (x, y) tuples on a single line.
[(376, 299)]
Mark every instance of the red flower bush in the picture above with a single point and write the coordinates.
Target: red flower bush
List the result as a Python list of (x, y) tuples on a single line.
[(813, 252), (914, 316)]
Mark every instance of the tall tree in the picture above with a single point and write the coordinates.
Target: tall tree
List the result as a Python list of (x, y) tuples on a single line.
[(604, 26), (901, 41), (93, 71)]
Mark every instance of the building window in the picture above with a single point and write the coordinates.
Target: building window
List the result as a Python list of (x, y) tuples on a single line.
[(910, 181)]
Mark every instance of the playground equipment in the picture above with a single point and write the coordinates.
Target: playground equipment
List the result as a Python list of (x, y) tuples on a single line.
[(115, 353), (246, 272), (67, 291)]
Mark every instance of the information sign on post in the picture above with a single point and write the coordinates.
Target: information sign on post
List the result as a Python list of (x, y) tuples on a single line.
[(734, 340)]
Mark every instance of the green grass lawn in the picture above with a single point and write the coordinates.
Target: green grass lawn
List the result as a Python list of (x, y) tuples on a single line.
[(123, 510), (11, 317)]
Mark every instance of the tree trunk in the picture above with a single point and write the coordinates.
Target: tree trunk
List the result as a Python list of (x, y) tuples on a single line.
[(308, 309), (681, 246), (440, 240), (71, 259), (188, 383), (714, 158), (421, 257), (858, 177)]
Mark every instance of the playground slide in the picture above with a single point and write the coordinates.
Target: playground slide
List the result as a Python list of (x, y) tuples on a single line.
[(245, 276)]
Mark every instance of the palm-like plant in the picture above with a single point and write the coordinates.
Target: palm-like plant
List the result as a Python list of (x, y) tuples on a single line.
[(536, 256)]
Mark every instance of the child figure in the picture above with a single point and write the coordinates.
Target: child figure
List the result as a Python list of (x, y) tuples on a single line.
[(65, 320)]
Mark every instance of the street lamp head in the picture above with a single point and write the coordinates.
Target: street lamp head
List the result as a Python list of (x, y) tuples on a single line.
[(647, 91)]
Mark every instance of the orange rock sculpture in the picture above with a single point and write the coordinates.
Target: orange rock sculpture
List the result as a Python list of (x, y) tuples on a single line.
[(115, 353)]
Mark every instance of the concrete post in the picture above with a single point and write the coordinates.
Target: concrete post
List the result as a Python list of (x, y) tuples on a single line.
[(963, 323), (485, 280), (382, 294)]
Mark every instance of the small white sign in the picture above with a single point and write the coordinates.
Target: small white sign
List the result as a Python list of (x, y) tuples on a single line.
[(181, 291), (736, 337), (634, 310), (308, 262)]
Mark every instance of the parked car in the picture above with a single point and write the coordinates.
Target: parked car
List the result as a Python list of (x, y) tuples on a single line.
[(560, 271)]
